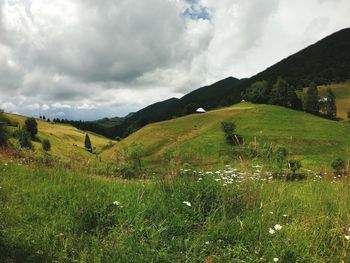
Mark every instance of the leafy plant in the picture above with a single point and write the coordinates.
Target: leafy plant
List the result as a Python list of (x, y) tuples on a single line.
[(281, 156), (46, 145), (338, 165), (294, 165)]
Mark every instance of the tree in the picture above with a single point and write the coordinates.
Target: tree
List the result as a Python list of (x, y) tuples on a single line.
[(279, 93), (293, 100), (31, 126), (87, 143), (338, 165), (46, 145), (330, 106), (311, 103), (258, 92), (24, 138)]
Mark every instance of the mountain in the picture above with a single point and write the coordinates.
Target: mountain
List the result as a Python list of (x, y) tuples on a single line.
[(327, 61)]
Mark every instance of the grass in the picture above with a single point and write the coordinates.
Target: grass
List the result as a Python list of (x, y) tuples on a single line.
[(199, 139), (67, 142), (63, 216)]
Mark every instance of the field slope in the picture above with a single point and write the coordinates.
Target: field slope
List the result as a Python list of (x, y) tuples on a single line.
[(67, 142), (199, 139)]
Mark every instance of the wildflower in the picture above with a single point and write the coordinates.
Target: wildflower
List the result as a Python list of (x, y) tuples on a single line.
[(272, 231), (278, 227), (207, 242), (271, 213), (116, 203), (284, 215), (275, 259), (5, 164), (347, 237), (187, 203)]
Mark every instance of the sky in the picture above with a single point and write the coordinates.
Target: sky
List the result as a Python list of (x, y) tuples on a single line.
[(89, 59)]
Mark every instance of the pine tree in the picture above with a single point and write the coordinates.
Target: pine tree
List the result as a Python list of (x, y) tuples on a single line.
[(279, 93), (331, 108), (312, 104), (88, 145)]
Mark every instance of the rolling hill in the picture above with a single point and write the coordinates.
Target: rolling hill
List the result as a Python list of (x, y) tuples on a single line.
[(325, 62), (199, 140), (67, 142)]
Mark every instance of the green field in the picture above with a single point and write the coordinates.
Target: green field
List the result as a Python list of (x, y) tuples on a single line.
[(200, 140), (50, 215)]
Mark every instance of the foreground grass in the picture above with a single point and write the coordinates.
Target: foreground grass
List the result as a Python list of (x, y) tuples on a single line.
[(59, 216)]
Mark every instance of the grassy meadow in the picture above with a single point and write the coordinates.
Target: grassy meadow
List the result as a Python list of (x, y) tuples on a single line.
[(199, 139), (50, 215)]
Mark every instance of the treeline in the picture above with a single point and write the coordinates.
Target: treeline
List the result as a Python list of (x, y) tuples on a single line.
[(283, 94)]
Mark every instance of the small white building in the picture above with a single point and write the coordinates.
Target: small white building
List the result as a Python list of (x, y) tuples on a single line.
[(200, 110)]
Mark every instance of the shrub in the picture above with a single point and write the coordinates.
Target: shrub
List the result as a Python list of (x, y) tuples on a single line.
[(229, 129), (46, 145), (32, 127), (338, 165), (3, 134), (281, 156), (294, 165), (24, 138)]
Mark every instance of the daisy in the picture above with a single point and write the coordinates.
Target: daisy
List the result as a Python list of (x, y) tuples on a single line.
[(278, 227), (187, 203)]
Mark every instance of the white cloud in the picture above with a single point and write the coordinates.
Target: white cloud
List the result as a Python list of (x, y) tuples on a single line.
[(111, 57)]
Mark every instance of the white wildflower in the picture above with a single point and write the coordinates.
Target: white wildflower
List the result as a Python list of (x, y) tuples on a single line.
[(271, 213), (187, 203), (347, 237), (275, 259), (117, 203), (278, 227), (272, 231)]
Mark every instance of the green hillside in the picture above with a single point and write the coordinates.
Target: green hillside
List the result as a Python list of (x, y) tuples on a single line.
[(67, 142), (198, 139)]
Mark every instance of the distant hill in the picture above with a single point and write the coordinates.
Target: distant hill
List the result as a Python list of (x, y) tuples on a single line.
[(199, 139), (67, 141), (325, 62)]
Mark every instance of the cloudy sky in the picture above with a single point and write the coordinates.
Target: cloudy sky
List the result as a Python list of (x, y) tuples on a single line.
[(87, 59)]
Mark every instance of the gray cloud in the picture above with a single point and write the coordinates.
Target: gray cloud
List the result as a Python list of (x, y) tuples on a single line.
[(107, 58)]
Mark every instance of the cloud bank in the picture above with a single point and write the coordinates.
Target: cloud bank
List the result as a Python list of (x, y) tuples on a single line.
[(87, 59)]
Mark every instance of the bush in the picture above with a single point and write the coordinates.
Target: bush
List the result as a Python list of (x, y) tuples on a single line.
[(281, 156), (3, 135), (24, 138), (229, 129), (338, 165), (32, 127), (46, 145), (294, 165)]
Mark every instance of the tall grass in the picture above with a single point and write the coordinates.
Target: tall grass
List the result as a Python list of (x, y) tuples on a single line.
[(64, 216)]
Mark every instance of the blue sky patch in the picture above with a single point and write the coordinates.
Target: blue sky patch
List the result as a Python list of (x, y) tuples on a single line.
[(196, 11)]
